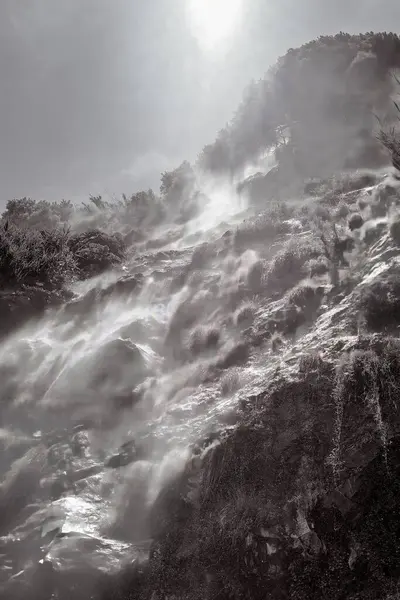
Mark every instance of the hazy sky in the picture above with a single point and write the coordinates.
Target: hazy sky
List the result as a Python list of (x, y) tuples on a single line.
[(102, 95)]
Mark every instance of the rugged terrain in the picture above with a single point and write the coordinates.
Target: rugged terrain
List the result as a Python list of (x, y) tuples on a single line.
[(205, 405)]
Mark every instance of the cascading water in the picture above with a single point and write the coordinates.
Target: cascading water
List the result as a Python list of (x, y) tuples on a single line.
[(98, 384)]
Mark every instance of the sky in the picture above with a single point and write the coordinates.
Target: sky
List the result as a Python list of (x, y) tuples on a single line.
[(101, 96)]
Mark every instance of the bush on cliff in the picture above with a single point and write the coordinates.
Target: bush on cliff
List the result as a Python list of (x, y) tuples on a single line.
[(95, 251), (34, 256)]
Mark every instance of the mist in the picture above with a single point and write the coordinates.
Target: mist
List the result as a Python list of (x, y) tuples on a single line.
[(100, 97), (199, 333)]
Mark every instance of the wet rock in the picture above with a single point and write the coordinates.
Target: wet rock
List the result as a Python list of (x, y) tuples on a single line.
[(127, 454), (114, 361), (56, 485), (201, 256), (36, 582), (82, 567), (18, 306), (124, 286), (84, 471), (20, 485), (82, 307), (59, 454)]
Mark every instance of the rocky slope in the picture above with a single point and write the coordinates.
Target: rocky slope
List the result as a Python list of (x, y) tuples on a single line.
[(218, 416)]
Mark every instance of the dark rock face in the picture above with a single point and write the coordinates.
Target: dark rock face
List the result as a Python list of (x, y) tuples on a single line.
[(307, 520), (279, 394), (25, 303), (118, 367), (126, 455)]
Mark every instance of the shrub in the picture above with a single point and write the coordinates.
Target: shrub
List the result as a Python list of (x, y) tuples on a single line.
[(288, 266), (334, 246), (203, 339), (96, 251), (244, 315), (25, 212), (355, 221), (317, 266), (302, 295), (380, 304), (391, 141), (267, 226), (313, 187), (321, 212), (311, 362), (142, 209), (34, 256), (353, 182), (342, 211)]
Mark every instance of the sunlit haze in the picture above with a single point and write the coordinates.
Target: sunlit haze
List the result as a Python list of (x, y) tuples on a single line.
[(143, 86), (199, 294), (213, 21)]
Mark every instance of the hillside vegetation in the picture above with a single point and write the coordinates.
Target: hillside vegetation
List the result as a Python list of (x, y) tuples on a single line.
[(277, 356)]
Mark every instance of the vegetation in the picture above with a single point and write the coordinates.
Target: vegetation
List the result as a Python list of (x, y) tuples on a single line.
[(34, 256), (379, 303), (52, 242), (292, 111), (355, 221), (304, 487), (288, 267), (300, 102), (391, 140)]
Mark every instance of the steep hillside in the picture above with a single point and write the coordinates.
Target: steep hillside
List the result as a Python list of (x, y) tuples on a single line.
[(316, 109), (200, 395)]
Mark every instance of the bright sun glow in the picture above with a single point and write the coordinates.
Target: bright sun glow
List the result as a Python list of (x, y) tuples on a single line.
[(212, 21)]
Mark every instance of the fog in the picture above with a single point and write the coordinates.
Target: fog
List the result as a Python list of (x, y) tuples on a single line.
[(101, 96)]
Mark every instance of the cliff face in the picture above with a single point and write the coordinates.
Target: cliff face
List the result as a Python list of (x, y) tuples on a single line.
[(300, 499), (244, 444), (199, 409)]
